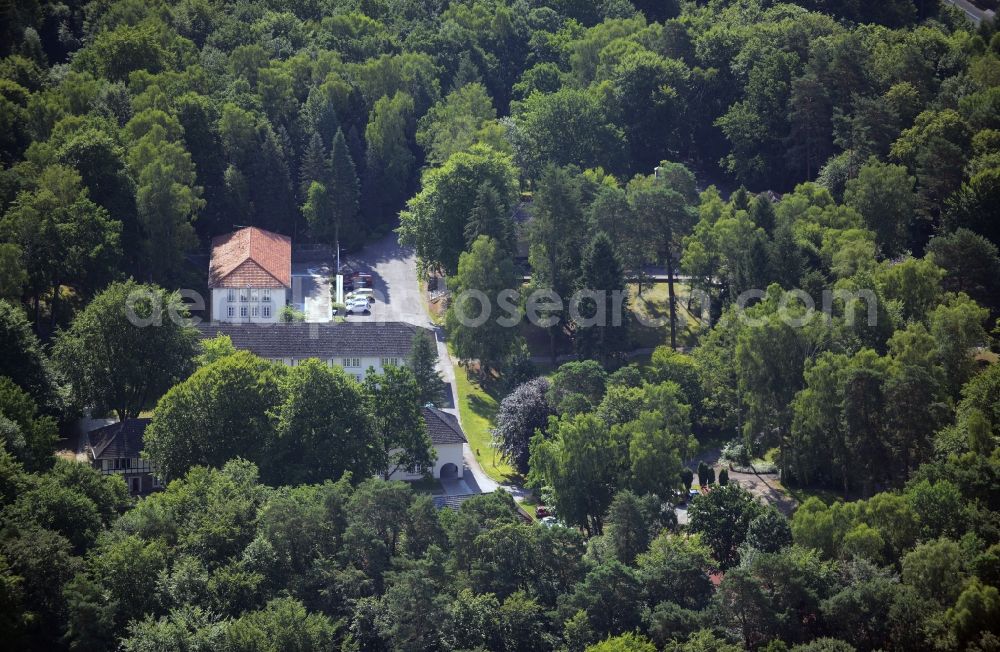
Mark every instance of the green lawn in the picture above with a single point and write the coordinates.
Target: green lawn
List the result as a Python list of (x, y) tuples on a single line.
[(477, 409), (654, 305), (529, 504), (802, 494)]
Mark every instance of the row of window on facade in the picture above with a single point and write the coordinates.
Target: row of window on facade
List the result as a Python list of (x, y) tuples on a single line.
[(251, 311), (347, 363), (249, 294), (126, 464), (129, 466)]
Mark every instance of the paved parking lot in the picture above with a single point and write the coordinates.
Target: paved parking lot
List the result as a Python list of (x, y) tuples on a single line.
[(394, 277), (311, 290)]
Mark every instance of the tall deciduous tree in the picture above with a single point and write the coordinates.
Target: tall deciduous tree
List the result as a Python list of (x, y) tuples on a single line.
[(577, 461), (30, 437), (167, 198), (435, 220), (884, 195), (394, 396), (567, 127), (222, 411), (452, 125), (323, 427), (63, 237), (970, 262), (722, 517), (485, 296), (128, 346), (665, 204), (23, 360), (522, 413), (957, 327), (319, 213), (389, 161)]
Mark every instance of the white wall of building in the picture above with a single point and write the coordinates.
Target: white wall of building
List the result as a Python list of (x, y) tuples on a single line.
[(261, 306), (357, 366), (446, 454)]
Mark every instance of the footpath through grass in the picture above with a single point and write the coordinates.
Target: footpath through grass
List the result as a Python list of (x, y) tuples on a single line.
[(478, 409)]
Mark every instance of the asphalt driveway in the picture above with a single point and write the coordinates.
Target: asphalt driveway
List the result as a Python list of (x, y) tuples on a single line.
[(311, 291), (394, 279)]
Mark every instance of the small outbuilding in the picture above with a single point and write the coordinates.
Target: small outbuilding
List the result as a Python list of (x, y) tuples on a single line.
[(449, 441), (116, 450)]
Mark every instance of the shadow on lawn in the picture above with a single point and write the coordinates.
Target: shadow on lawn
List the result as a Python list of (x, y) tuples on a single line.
[(482, 407)]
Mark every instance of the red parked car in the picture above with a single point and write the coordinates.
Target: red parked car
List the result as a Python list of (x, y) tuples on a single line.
[(542, 511)]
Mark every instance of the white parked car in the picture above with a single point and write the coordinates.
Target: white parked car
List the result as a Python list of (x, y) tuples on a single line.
[(367, 294), (358, 306)]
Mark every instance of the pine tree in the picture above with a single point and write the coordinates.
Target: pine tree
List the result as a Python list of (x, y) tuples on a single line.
[(762, 213), (467, 72), (318, 115), (314, 166), (601, 272), (491, 217), (422, 362), (344, 191), (740, 199)]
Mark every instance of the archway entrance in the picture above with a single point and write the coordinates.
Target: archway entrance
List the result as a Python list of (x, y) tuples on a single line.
[(449, 472)]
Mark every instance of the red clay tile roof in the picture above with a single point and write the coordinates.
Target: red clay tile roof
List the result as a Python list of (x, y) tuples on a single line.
[(251, 257)]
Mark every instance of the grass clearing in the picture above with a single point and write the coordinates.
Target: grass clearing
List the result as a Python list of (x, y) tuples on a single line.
[(653, 306), (802, 494), (478, 409)]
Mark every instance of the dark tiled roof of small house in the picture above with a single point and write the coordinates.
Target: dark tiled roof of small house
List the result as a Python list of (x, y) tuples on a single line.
[(443, 427), (122, 439), (301, 340)]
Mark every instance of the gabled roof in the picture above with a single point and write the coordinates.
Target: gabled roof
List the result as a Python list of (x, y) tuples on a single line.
[(324, 341), (442, 427), (251, 257), (122, 439)]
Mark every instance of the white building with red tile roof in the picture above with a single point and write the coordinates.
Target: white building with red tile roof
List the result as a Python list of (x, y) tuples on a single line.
[(250, 275)]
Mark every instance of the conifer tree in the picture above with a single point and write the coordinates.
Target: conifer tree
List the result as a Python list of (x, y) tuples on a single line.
[(344, 190), (314, 166), (423, 364)]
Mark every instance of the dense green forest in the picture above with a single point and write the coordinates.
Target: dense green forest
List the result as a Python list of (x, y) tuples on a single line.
[(761, 157)]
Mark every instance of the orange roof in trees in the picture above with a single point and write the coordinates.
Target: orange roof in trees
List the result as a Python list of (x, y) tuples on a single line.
[(251, 257)]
